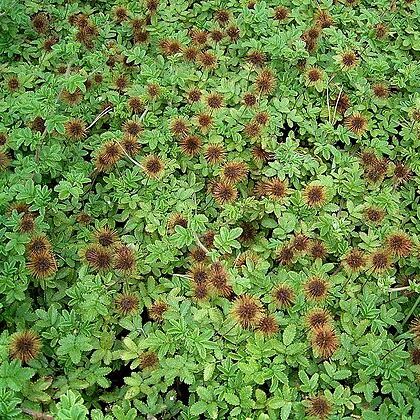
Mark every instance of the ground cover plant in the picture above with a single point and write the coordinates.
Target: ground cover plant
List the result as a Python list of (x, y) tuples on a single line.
[(209, 209)]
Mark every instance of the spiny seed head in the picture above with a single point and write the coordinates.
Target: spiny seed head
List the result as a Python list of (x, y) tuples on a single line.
[(124, 259), (204, 121), (190, 53), (318, 250), (108, 155), (132, 128), (319, 407), (355, 260), (262, 118), (127, 303), (121, 83), (281, 13), (218, 279), (214, 100), (380, 90), (38, 244), (120, 14), (179, 127), (216, 35), (75, 129), (208, 238), (300, 242), (131, 145), (402, 173), (198, 37), (233, 33), (152, 5), (234, 172), (153, 90), (415, 328), (316, 288), (312, 34), (374, 214), (190, 145), (49, 43), (148, 360), (71, 98), (194, 95), (265, 81), (106, 236), (261, 155), (199, 273), (315, 195), (381, 31), (3, 138), (222, 16), (40, 22), (268, 325), (348, 60), (368, 158), (207, 60), (24, 346), (415, 356), (223, 192), (13, 83), (323, 19), (98, 257), (136, 105), (153, 166), (42, 264), (177, 219), (214, 153), (247, 310), (256, 58), (325, 342), (83, 218), (170, 46), (285, 255), (27, 223), (343, 103), (314, 75), (200, 291), (4, 160), (276, 188), (252, 130), (157, 310), (380, 261), (249, 99), (318, 318), (198, 254), (399, 244), (283, 295)]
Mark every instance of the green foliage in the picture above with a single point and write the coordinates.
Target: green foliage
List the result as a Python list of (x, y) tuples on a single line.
[(142, 277)]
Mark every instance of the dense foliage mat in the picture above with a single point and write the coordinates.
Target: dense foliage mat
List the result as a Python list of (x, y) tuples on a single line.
[(209, 209)]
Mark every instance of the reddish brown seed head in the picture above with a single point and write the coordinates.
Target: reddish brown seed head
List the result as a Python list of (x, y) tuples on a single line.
[(204, 121), (136, 105), (124, 259), (256, 58), (153, 166), (157, 310), (40, 22), (198, 254), (252, 130), (177, 219), (108, 155), (315, 195), (38, 244), (283, 295), (381, 31), (127, 303), (247, 311), (415, 356), (348, 60), (357, 123), (300, 242), (374, 214), (190, 145), (98, 258), (316, 288), (318, 250), (276, 188), (131, 145), (285, 255), (415, 328), (42, 264), (314, 75), (317, 318), (402, 173), (222, 16), (214, 100), (262, 118), (223, 192), (319, 407), (265, 81), (4, 160), (233, 33), (199, 273), (399, 244), (281, 13), (268, 325), (148, 360), (325, 342), (323, 19), (200, 291), (380, 261), (207, 60), (24, 346), (380, 90), (249, 99), (132, 128), (75, 129), (355, 260), (27, 223), (260, 154), (234, 172), (179, 127), (194, 95)]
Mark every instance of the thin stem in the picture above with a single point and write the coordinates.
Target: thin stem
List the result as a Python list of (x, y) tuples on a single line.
[(411, 310), (129, 157), (398, 289), (336, 104), (200, 244), (104, 112)]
